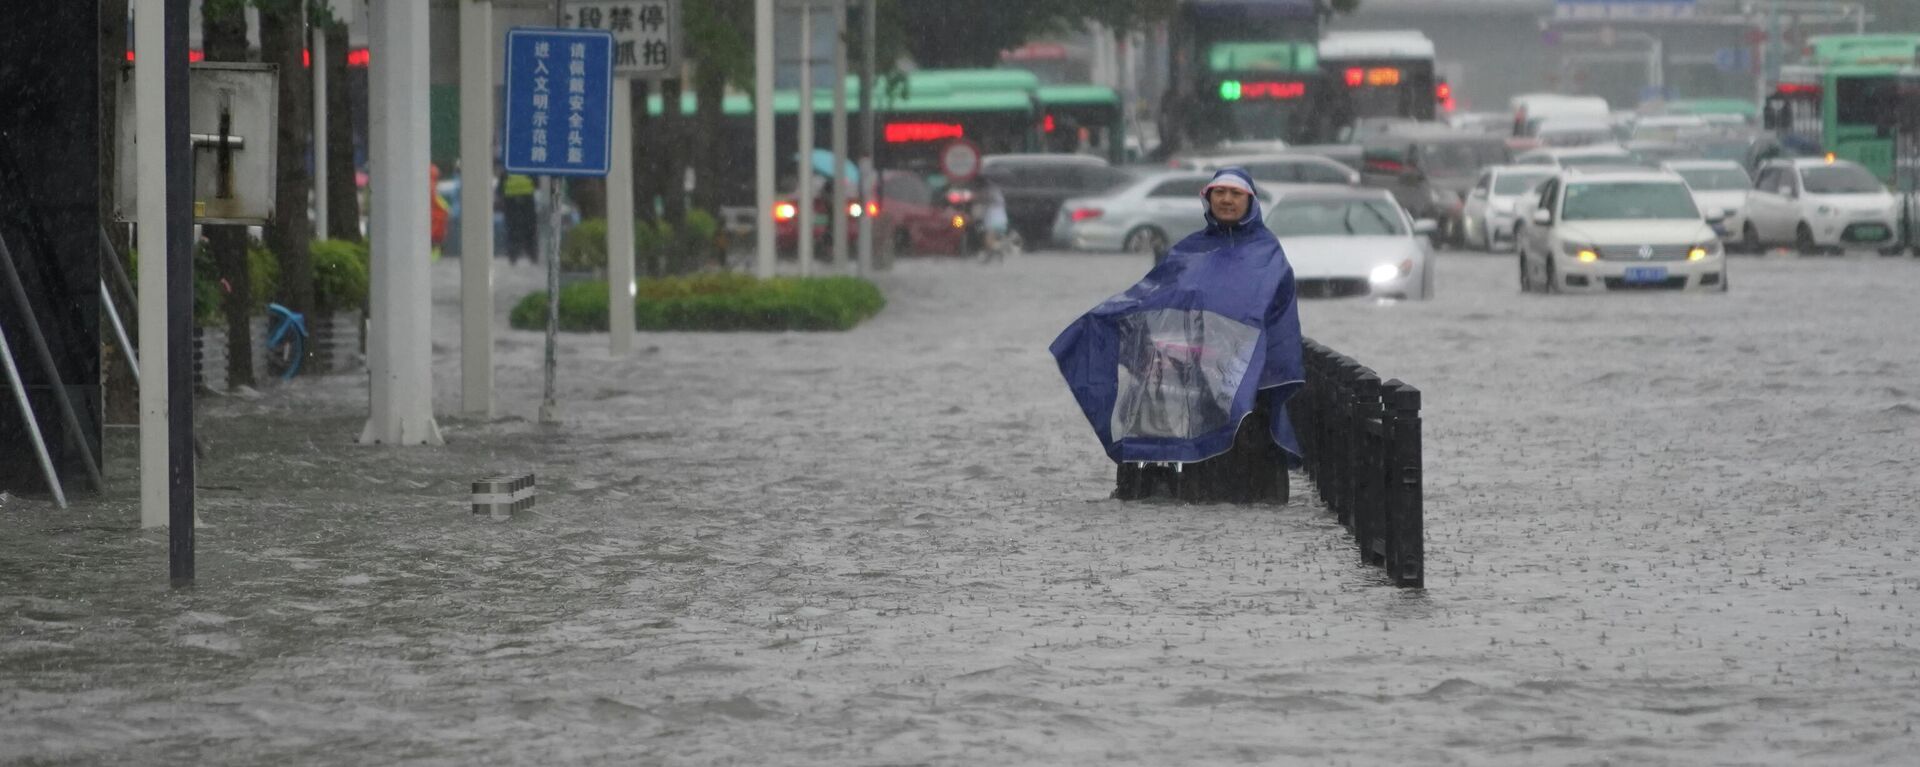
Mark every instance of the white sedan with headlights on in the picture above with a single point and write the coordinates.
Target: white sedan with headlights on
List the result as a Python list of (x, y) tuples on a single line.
[(1492, 211), (1599, 231), (1352, 242)]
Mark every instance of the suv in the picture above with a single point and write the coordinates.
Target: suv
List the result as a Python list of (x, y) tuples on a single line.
[(1430, 171), (1035, 185), (1601, 230), (1820, 205)]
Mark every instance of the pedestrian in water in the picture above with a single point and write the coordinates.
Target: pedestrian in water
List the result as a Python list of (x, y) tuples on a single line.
[(1185, 376), (516, 192)]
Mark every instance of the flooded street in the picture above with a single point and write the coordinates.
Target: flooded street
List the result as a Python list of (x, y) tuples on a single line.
[(1661, 529)]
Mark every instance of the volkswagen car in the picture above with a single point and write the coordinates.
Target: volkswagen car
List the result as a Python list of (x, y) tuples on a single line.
[(1609, 230)]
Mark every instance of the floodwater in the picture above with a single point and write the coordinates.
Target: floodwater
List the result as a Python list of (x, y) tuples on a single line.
[(1662, 529)]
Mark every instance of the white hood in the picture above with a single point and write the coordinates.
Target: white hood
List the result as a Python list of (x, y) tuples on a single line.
[(1323, 257), (1684, 231), (1717, 202)]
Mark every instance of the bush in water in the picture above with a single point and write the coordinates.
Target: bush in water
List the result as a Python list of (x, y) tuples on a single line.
[(713, 301)]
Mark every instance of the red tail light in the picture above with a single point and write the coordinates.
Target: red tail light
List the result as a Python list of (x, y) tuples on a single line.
[(873, 209), (785, 211), (1084, 214)]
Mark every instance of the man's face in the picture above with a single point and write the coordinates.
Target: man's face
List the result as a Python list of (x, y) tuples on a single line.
[(1229, 205)]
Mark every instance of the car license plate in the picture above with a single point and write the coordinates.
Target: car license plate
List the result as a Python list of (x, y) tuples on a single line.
[(1646, 273), (1870, 233)]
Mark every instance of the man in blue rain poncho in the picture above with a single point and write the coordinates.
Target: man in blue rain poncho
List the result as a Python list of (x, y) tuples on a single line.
[(1185, 376)]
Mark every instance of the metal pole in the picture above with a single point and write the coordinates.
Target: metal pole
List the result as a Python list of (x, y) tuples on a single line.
[(120, 331), (399, 348), (319, 64), (45, 353), (620, 286), (113, 262), (803, 167), (549, 408), (33, 424), (150, 114), (839, 138), (869, 175), (763, 137), (476, 208), (175, 341)]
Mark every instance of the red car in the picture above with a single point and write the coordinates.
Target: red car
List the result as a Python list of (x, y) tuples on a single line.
[(916, 221), (786, 215)]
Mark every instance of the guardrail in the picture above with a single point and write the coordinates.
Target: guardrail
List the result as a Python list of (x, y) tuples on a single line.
[(1361, 438)]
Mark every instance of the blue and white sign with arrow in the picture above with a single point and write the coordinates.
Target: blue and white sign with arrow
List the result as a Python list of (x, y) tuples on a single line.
[(559, 102)]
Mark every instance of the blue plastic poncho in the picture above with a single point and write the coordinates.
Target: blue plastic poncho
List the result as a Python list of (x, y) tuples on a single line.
[(1167, 370)]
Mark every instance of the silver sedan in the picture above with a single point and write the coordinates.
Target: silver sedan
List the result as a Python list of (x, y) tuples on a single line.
[(1352, 242), (1146, 216)]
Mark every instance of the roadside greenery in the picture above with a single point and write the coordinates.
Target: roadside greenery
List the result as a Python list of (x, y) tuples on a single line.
[(713, 302), (658, 248)]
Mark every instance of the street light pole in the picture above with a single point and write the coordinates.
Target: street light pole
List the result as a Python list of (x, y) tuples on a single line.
[(763, 137)]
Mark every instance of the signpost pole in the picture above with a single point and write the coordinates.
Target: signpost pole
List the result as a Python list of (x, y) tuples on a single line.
[(763, 138), (549, 406), (803, 167), (839, 138)]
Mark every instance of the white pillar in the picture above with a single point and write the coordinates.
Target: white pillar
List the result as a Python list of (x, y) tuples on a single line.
[(399, 344), (803, 168), (150, 108), (620, 223), (476, 208), (839, 137), (318, 60), (763, 137)]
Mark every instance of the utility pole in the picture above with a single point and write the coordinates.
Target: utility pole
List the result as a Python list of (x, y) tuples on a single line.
[(763, 138)]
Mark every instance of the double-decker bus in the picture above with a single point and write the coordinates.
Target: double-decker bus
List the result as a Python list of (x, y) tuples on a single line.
[(1837, 98), (1242, 70), (1379, 74)]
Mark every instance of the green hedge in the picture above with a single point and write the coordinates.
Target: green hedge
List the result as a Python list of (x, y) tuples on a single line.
[(657, 247), (342, 275), (713, 301)]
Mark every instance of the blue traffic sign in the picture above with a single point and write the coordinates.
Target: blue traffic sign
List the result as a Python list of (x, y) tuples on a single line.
[(559, 102)]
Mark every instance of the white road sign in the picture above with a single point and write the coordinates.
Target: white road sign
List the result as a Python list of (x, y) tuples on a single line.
[(646, 33)]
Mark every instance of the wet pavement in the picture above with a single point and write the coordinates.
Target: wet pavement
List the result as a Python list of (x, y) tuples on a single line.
[(1662, 529)]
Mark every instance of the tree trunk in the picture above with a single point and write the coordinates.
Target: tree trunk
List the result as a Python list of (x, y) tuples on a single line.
[(710, 87), (224, 36), (282, 39), (675, 143), (644, 142), (343, 191)]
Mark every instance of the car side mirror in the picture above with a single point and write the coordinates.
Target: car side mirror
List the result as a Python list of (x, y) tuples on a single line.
[(1543, 217), (1716, 219), (1426, 226)]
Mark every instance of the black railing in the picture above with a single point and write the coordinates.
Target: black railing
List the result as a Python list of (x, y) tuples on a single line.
[(1361, 439)]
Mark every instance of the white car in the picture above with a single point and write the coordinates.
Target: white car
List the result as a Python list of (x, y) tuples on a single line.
[(1603, 230), (1820, 205), (1147, 216), (1352, 242), (1579, 156), (1719, 187), (1492, 211), (1278, 168)]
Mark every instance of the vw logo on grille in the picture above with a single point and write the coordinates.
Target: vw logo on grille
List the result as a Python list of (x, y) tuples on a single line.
[(1646, 251)]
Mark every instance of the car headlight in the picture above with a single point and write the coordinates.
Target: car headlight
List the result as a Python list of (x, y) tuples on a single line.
[(1390, 272), (1703, 250), (1585, 254)]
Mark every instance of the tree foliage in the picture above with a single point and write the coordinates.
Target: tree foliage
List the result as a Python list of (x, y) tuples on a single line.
[(942, 33)]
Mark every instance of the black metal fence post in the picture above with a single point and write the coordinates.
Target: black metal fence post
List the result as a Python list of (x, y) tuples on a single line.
[(1361, 444)]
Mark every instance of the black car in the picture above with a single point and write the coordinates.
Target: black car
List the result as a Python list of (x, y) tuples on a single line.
[(1430, 171), (1036, 184)]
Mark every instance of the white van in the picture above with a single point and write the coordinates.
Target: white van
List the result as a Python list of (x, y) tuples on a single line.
[(1532, 109)]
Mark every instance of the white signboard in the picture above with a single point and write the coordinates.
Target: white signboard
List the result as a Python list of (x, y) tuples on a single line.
[(232, 114), (646, 33)]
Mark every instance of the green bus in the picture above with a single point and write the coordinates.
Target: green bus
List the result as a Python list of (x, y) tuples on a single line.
[(1836, 99)]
